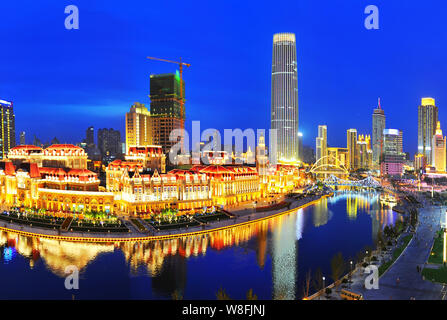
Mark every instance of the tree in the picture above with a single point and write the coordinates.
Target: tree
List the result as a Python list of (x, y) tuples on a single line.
[(337, 266), (222, 295), (251, 296), (317, 281), (307, 283), (177, 295)]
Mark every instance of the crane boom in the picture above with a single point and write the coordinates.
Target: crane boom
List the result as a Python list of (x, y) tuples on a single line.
[(170, 61)]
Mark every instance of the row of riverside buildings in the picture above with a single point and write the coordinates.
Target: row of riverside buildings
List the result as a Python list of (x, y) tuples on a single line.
[(56, 179)]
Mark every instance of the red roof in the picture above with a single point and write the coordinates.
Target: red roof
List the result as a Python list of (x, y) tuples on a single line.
[(82, 174), (215, 169), (26, 147), (63, 146)]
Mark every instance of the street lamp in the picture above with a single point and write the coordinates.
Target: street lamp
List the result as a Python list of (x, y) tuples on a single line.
[(324, 286), (350, 275)]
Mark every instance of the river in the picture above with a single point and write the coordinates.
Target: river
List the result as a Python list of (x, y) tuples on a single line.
[(271, 257)]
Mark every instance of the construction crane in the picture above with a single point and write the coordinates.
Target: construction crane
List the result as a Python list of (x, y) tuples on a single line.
[(181, 64)]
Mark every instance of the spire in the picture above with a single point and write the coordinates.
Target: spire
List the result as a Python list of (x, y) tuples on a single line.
[(379, 104), (438, 128)]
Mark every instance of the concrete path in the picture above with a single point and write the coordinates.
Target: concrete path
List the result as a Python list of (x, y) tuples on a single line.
[(402, 281)]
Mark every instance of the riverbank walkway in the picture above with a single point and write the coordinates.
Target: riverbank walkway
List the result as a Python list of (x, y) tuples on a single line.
[(403, 281)]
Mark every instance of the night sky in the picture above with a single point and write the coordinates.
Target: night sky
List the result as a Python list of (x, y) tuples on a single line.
[(62, 81)]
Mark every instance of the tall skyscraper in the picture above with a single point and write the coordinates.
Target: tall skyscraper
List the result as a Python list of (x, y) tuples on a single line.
[(22, 138), (284, 105), (166, 109), (138, 127), (438, 149), (427, 120), (90, 136), (321, 144), (351, 136), (7, 128), (109, 142), (378, 125)]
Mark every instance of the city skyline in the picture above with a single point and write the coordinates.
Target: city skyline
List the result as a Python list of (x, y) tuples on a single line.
[(86, 88)]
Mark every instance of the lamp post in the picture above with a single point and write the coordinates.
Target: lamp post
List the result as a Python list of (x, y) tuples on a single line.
[(324, 285), (350, 275)]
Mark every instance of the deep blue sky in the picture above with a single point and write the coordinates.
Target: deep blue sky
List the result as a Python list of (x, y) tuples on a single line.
[(62, 81)]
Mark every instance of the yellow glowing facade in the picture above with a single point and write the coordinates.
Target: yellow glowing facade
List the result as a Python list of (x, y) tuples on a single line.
[(439, 150), (138, 126)]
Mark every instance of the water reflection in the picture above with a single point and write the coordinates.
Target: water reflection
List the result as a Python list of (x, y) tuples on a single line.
[(275, 243)]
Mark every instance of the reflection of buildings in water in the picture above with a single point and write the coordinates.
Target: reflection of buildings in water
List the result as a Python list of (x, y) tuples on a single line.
[(261, 248), (57, 255), (165, 258), (355, 201), (381, 218), (284, 258), (171, 277), (299, 224), (320, 213)]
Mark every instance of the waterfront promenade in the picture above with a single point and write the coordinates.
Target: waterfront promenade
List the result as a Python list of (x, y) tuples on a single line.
[(403, 281), (245, 214)]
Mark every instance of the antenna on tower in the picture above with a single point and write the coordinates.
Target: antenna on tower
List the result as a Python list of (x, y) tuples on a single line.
[(379, 104)]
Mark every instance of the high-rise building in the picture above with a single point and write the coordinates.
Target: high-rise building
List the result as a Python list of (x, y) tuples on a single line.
[(284, 104), (438, 149), (427, 120), (392, 158), (378, 125), (22, 138), (138, 127), (321, 145), (364, 152), (351, 136), (419, 162), (109, 142), (7, 128), (90, 136), (166, 108)]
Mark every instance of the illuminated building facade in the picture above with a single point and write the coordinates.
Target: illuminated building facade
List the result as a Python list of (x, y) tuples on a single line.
[(145, 193), (419, 162), (427, 120), (439, 149), (55, 156), (7, 128), (284, 104), (166, 108), (393, 158), (338, 156), (378, 125), (352, 149), (151, 157), (231, 184), (364, 152), (321, 144), (138, 126), (54, 189)]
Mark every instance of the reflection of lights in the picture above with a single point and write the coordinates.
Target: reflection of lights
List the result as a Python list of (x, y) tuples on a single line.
[(8, 254), (299, 224)]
